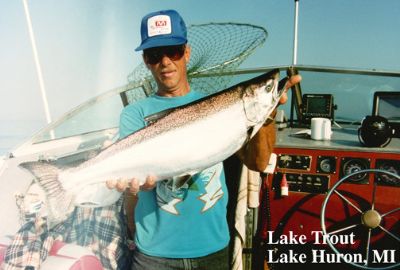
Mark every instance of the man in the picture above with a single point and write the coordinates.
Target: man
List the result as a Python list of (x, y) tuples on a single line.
[(174, 227), (169, 232)]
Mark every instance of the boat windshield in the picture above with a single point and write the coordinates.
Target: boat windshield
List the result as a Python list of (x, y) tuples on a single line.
[(352, 92), (99, 113)]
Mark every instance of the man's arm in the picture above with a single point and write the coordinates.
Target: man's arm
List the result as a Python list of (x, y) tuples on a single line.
[(256, 153)]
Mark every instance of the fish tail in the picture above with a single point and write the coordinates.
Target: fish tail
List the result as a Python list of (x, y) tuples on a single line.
[(47, 177)]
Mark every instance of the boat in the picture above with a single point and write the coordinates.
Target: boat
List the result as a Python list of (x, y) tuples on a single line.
[(329, 199)]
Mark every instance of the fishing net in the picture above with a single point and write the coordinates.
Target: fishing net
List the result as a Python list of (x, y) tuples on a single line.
[(217, 50)]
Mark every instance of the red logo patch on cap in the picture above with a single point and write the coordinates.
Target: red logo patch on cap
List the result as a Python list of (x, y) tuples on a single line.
[(159, 25)]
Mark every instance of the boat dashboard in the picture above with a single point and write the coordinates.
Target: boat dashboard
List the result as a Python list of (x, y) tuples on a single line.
[(313, 166), (333, 198), (311, 169)]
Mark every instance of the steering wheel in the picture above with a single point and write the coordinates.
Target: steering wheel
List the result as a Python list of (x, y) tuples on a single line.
[(371, 219)]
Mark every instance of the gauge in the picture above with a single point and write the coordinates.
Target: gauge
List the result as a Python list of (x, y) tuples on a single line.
[(294, 162), (352, 165), (326, 164), (392, 166)]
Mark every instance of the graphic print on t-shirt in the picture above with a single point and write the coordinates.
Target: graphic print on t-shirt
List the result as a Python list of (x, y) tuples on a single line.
[(170, 193), (213, 190)]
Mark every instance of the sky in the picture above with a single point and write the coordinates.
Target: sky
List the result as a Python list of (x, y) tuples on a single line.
[(86, 47)]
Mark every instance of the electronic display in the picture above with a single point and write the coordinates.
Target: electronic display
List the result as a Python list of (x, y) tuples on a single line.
[(317, 105), (388, 106)]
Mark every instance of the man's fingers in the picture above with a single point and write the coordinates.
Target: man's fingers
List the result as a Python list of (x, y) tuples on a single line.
[(121, 185), (150, 183), (111, 184), (134, 186), (283, 98), (295, 79)]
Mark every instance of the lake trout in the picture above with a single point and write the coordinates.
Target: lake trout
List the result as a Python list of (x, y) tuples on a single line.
[(178, 142)]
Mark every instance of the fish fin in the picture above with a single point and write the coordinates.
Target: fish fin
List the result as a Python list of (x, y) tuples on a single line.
[(58, 201), (253, 131), (155, 116)]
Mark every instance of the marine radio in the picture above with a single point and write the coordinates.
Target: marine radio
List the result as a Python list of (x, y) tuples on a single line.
[(317, 105)]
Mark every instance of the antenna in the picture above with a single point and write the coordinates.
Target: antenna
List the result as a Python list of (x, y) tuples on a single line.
[(297, 101), (296, 20), (37, 63)]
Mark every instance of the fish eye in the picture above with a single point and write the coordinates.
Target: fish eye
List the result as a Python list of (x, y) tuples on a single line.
[(268, 88)]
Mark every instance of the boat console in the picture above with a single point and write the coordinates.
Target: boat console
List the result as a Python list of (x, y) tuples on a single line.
[(343, 200)]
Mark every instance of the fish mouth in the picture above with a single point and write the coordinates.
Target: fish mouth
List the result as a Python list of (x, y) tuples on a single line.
[(282, 85)]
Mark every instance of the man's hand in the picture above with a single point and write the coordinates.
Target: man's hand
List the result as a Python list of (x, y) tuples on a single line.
[(132, 185), (291, 82)]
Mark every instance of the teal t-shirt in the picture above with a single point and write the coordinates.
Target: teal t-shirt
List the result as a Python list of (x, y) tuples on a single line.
[(185, 222)]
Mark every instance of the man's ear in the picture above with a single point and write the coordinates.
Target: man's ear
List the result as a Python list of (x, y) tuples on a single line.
[(188, 51), (145, 61)]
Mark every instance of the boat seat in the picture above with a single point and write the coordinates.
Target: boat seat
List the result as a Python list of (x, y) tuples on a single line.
[(62, 256)]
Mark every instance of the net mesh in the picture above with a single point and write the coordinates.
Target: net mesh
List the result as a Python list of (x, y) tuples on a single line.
[(217, 50)]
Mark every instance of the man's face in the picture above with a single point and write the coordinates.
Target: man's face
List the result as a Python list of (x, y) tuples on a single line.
[(168, 66)]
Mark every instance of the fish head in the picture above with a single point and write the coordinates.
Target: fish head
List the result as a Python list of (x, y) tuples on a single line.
[(260, 98)]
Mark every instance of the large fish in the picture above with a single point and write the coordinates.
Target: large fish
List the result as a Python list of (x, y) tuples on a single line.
[(182, 141)]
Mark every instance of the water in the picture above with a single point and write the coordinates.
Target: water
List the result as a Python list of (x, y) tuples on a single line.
[(8, 142), (15, 132)]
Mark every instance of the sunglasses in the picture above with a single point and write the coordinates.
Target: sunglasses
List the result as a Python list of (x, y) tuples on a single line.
[(155, 55)]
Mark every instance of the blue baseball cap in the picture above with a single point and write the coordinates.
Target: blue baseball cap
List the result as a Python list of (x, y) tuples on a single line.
[(162, 28)]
